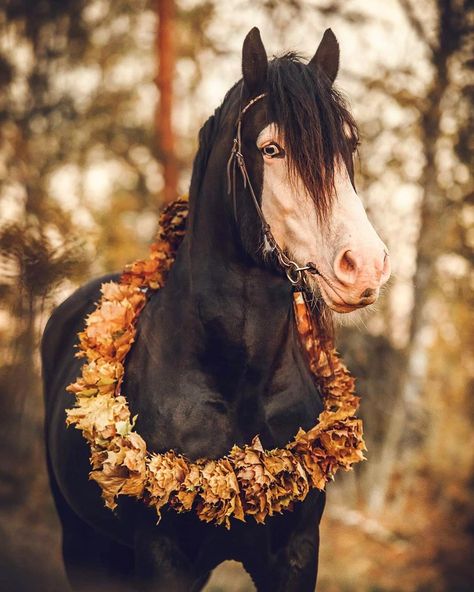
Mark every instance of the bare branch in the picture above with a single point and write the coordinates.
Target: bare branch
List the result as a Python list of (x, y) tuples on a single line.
[(416, 24)]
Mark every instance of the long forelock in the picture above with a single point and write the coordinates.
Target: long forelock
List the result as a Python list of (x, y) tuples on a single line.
[(315, 122)]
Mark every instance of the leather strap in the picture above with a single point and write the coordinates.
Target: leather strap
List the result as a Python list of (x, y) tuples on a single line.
[(293, 271)]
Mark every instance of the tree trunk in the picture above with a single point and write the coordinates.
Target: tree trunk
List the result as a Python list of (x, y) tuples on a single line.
[(166, 57), (433, 227)]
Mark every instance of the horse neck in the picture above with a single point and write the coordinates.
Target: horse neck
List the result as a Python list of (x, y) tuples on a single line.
[(238, 313)]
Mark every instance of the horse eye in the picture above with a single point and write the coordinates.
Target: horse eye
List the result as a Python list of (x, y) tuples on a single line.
[(273, 151)]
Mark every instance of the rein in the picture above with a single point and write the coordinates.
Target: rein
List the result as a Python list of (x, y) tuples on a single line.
[(293, 271)]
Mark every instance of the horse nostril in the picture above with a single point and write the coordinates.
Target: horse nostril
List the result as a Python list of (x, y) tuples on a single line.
[(348, 262), (367, 293), (346, 267)]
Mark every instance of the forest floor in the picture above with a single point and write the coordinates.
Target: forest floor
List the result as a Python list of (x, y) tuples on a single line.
[(357, 553)]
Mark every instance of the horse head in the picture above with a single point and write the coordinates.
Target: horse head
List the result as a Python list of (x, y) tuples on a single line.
[(297, 139)]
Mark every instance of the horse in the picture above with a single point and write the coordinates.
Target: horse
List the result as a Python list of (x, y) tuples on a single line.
[(217, 358)]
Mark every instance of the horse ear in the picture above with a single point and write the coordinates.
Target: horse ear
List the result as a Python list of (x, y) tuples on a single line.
[(327, 55), (254, 63)]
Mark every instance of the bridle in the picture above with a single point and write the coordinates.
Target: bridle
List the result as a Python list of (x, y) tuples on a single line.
[(293, 271)]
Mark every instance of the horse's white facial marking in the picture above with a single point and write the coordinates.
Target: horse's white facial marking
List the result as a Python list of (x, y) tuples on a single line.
[(352, 260)]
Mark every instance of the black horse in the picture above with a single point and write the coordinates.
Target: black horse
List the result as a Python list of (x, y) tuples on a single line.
[(217, 358)]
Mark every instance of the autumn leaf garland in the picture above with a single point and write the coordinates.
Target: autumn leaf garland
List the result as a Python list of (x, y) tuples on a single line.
[(249, 481)]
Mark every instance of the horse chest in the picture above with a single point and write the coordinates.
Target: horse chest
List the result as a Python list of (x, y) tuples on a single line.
[(187, 412)]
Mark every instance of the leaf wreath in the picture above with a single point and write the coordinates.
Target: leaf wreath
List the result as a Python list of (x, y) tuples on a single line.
[(248, 481)]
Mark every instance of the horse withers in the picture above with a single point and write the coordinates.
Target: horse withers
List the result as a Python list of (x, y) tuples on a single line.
[(217, 359)]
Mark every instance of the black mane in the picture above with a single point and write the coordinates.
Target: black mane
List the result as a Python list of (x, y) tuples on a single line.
[(208, 134), (312, 116)]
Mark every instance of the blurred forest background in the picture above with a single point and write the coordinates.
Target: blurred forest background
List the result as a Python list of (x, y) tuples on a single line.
[(100, 105)]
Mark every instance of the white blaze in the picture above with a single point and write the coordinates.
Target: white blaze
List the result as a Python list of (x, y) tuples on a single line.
[(292, 215)]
